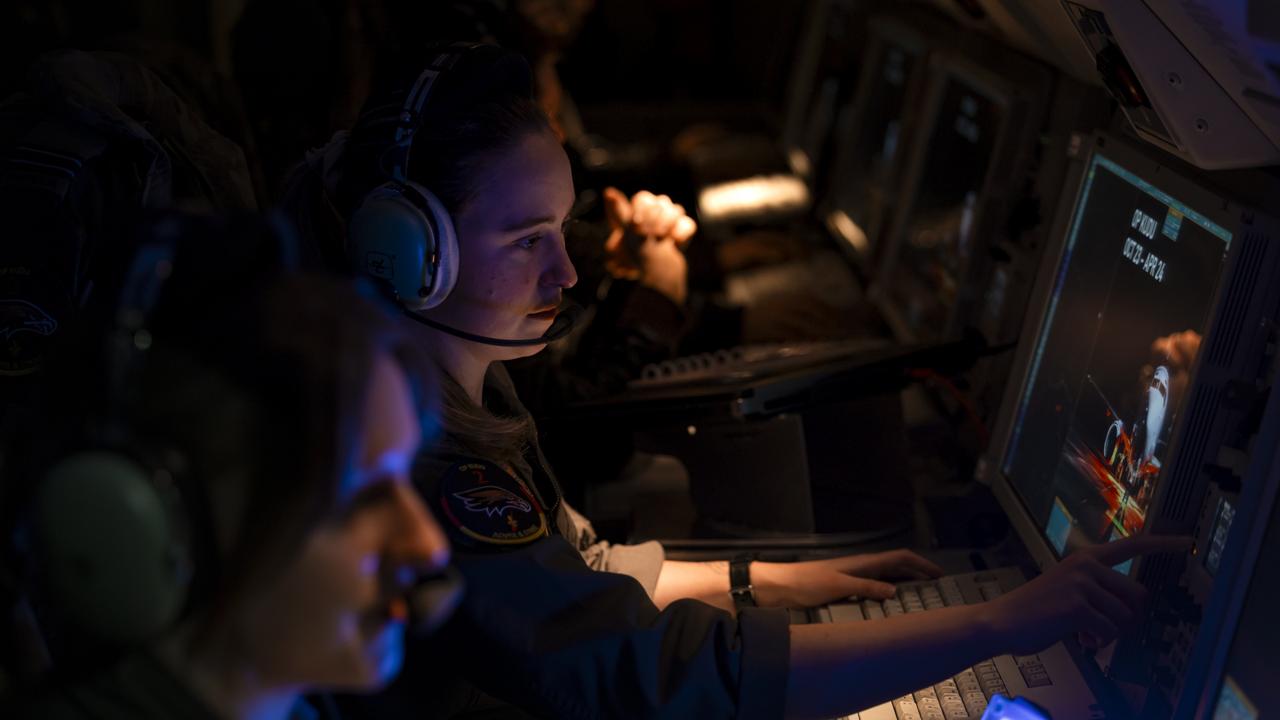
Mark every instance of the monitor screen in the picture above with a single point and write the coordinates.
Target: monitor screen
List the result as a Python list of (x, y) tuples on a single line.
[(937, 237), (1249, 690), (1112, 362), (864, 182)]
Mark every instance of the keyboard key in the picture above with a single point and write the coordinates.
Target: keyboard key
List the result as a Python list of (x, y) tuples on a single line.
[(845, 612), (883, 711), (975, 702), (990, 590), (873, 610), (950, 589)]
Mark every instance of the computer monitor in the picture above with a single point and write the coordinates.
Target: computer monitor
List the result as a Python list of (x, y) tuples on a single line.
[(872, 134), (973, 149), (824, 79), (1112, 361), (1152, 312)]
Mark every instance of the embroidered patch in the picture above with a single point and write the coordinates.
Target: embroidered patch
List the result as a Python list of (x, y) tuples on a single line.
[(485, 503)]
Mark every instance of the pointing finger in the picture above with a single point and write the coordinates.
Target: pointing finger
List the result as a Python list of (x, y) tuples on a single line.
[(616, 207), (1121, 550)]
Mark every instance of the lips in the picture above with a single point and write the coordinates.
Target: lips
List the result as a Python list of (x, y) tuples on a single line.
[(546, 314)]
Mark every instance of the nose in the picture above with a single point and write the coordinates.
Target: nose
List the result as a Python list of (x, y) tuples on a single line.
[(416, 540), (560, 273)]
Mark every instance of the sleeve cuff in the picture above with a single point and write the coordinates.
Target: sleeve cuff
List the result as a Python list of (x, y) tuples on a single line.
[(642, 562), (766, 662)]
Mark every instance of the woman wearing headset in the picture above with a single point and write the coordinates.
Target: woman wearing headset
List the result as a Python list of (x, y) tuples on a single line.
[(461, 151), (289, 412)]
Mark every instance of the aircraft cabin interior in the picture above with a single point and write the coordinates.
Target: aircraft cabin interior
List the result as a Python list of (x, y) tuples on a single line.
[(995, 281)]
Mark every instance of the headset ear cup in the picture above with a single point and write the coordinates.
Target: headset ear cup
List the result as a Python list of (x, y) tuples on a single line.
[(112, 551), (446, 246), (402, 234)]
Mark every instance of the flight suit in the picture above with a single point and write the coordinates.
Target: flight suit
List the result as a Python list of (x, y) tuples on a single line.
[(562, 625)]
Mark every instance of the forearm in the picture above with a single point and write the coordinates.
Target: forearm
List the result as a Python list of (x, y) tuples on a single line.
[(840, 668), (705, 581)]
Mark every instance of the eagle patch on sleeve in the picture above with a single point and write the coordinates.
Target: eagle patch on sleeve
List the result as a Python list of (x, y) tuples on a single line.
[(485, 504)]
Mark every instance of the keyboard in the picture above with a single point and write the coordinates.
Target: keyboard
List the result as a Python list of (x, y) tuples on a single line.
[(747, 362), (966, 694)]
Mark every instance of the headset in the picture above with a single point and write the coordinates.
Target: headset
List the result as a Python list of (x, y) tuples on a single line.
[(116, 528), (401, 234), (122, 533)]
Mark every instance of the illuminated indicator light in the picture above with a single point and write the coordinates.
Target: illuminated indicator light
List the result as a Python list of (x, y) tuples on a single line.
[(692, 429)]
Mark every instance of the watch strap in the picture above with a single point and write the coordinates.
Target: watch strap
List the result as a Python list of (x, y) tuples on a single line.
[(740, 588)]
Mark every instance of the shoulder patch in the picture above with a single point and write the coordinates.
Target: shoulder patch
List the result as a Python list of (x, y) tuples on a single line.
[(486, 505)]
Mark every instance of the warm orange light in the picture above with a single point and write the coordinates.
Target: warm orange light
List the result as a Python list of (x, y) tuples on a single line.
[(755, 195), (850, 231)]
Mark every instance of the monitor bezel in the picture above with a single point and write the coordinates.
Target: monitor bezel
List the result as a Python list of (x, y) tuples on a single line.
[(913, 36), (1197, 196), (1020, 92), (804, 73), (807, 74)]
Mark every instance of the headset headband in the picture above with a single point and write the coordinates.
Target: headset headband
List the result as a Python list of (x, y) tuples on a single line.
[(395, 163)]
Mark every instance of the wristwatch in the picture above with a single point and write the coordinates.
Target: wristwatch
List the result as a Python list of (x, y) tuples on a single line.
[(740, 588)]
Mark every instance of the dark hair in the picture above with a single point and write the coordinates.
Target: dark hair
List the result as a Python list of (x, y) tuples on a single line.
[(477, 108)]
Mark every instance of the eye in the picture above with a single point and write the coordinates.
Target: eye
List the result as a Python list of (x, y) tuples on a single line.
[(528, 242)]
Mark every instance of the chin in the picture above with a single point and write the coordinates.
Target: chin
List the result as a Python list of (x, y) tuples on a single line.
[(523, 352), (371, 667)]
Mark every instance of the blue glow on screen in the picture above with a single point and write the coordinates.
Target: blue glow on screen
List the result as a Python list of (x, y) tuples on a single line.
[(1232, 704), (1059, 528)]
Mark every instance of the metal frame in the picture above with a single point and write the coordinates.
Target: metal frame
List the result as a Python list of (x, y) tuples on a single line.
[(1235, 575), (1020, 87), (919, 37)]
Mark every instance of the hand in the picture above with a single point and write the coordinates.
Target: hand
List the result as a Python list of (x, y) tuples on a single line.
[(817, 582), (648, 234), (1081, 594)]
